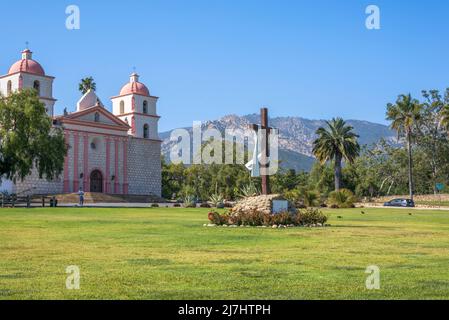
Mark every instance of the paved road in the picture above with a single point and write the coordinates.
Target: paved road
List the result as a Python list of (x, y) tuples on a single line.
[(416, 208)]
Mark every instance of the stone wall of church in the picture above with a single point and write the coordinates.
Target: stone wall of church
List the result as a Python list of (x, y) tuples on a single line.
[(33, 185), (144, 167)]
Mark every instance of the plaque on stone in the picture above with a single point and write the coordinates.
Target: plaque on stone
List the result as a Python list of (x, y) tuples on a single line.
[(280, 206)]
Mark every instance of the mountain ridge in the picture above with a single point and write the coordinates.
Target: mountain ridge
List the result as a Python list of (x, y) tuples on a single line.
[(296, 135)]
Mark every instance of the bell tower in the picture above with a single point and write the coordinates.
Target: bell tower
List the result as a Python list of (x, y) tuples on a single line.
[(137, 107), (29, 74)]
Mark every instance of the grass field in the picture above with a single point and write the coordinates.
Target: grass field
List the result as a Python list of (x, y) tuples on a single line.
[(163, 253)]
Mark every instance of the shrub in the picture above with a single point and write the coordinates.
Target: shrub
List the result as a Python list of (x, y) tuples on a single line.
[(249, 190), (228, 205), (216, 199), (294, 197), (176, 205), (154, 205), (204, 205), (214, 217), (303, 198), (189, 201), (256, 218), (310, 197), (284, 218), (342, 198), (311, 216)]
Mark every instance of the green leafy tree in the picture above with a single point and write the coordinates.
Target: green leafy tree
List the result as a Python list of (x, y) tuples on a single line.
[(87, 84), (336, 143), (28, 139), (404, 117)]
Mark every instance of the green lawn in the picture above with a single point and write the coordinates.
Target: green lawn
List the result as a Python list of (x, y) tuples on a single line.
[(163, 253)]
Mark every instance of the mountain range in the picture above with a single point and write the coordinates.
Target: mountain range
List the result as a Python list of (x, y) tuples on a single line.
[(296, 135)]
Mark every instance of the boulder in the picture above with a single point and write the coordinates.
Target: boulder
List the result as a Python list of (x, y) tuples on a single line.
[(262, 203)]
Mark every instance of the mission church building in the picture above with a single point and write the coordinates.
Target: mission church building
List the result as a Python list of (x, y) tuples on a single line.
[(115, 153)]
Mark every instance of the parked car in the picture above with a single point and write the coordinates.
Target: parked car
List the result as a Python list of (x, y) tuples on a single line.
[(405, 203)]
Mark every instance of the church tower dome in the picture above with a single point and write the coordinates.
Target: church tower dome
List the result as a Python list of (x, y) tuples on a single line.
[(29, 74), (27, 64), (135, 87), (135, 106)]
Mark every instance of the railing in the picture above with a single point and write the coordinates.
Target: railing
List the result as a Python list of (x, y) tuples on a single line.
[(14, 201)]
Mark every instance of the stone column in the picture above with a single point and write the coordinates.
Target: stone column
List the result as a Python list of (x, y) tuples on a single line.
[(107, 182), (125, 166), (116, 180), (86, 175), (66, 164), (75, 161)]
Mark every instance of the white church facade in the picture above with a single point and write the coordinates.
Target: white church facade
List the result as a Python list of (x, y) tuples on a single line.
[(114, 152)]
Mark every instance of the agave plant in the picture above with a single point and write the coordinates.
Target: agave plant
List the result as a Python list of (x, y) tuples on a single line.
[(189, 201), (249, 190), (217, 199)]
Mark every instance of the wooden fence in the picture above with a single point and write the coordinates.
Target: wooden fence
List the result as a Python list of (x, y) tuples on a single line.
[(13, 201)]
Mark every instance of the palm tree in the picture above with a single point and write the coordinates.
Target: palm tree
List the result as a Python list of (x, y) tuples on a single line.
[(336, 142), (445, 117), (404, 116), (87, 84)]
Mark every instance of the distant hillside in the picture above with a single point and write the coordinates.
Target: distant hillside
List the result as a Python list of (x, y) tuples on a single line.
[(296, 135)]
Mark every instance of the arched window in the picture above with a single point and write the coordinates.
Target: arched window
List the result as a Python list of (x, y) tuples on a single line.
[(145, 107), (97, 117), (9, 88), (122, 107), (145, 131), (37, 87)]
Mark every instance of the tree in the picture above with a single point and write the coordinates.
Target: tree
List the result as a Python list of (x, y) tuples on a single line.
[(87, 84), (336, 142), (27, 138), (404, 117), (431, 135)]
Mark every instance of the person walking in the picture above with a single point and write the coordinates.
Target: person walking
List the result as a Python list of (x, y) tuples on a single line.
[(81, 196)]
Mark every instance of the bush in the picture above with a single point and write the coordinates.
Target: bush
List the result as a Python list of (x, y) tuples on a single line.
[(302, 197), (257, 218), (218, 219), (177, 205), (311, 216), (154, 205), (249, 190), (294, 196), (216, 199), (342, 198), (189, 201)]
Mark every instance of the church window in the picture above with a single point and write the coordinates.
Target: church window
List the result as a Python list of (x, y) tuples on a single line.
[(122, 107), (37, 87), (145, 107), (97, 117), (145, 131), (9, 88)]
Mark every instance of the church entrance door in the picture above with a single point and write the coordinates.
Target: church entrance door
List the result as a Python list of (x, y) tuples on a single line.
[(96, 181)]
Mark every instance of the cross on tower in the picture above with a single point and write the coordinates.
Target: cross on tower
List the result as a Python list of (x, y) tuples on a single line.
[(265, 150)]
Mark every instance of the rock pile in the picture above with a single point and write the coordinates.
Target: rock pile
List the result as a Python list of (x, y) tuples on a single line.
[(262, 203)]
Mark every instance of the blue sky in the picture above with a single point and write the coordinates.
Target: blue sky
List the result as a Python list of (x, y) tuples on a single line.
[(206, 59)]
